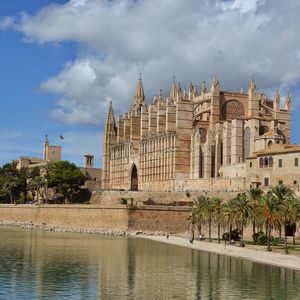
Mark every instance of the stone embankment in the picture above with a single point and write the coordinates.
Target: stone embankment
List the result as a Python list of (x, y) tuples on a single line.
[(100, 231)]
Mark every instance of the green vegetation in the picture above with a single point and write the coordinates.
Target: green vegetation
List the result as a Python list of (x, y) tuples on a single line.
[(63, 179), (267, 212)]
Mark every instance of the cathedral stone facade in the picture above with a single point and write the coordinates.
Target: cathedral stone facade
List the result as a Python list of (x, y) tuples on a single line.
[(191, 140)]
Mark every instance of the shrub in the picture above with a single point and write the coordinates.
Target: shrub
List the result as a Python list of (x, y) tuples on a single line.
[(255, 236), (260, 238), (275, 241), (235, 235)]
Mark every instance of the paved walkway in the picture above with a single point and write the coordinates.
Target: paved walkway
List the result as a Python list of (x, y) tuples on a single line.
[(276, 259)]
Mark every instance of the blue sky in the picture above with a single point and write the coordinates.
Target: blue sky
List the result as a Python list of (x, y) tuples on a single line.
[(62, 61)]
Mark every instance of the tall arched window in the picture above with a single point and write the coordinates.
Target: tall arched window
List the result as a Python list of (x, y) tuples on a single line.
[(266, 162), (246, 142), (270, 161), (261, 162)]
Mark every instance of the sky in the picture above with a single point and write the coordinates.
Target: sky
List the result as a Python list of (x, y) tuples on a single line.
[(62, 61)]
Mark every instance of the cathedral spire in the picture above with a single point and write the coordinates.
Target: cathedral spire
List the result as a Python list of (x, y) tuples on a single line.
[(110, 117), (215, 86), (252, 89), (288, 102), (139, 98), (173, 93), (276, 102), (203, 88), (179, 93), (191, 91), (140, 89)]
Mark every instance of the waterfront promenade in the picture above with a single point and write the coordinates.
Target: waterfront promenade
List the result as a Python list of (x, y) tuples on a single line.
[(271, 258)]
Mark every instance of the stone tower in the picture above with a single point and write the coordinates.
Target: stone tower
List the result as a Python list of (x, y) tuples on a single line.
[(51, 153), (108, 140)]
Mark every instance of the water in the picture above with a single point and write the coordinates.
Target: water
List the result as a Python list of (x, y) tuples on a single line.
[(46, 265)]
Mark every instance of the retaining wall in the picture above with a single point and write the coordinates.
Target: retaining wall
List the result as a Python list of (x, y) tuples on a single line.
[(93, 216)]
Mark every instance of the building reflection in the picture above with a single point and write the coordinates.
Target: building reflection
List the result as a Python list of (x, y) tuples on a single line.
[(43, 265)]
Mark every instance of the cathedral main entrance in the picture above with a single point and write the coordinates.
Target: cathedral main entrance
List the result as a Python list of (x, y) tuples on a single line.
[(134, 179)]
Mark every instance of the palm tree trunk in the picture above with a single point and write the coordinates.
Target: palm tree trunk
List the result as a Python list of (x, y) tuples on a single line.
[(209, 229), (219, 229), (280, 235), (294, 237), (242, 234), (253, 227), (193, 233), (11, 196), (285, 237), (229, 237), (269, 238)]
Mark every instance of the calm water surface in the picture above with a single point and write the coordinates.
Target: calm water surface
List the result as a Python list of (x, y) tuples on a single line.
[(46, 265)]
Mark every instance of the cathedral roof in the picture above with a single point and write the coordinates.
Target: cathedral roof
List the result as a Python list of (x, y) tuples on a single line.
[(277, 149)]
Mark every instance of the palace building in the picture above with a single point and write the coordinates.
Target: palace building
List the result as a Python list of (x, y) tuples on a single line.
[(194, 140)]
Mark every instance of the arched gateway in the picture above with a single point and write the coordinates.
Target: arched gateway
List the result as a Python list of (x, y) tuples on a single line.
[(134, 178)]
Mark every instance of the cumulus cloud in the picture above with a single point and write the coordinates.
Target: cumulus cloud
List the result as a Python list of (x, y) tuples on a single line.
[(237, 39), (6, 22)]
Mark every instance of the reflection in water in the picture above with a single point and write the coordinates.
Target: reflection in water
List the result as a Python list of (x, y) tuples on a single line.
[(44, 265)]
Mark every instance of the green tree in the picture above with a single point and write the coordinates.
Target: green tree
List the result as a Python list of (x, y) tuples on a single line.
[(217, 215), (254, 195), (283, 195), (12, 182), (270, 211), (192, 221), (242, 209), (199, 208), (229, 215), (36, 182), (66, 179), (293, 215), (208, 215)]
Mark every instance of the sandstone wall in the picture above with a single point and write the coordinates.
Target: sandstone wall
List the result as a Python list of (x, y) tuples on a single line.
[(67, 215), (173, 220), (139, 198), (91, 216)]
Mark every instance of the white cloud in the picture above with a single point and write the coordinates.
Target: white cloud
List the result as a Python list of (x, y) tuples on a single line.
[(244, 6), (237, 39), (6, 22)]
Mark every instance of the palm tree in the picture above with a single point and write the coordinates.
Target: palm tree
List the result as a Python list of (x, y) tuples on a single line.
[(229, 215), (293, 214), (283, 196), (217, 215), (242, 212), (192, 221), (199, 208), (10, 182), (270, 211), (254, 195), (208, 213)]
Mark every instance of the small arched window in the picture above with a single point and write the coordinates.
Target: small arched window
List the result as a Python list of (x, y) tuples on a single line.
[(266, 162), (261, 162), (270, 143), (271, 162)]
